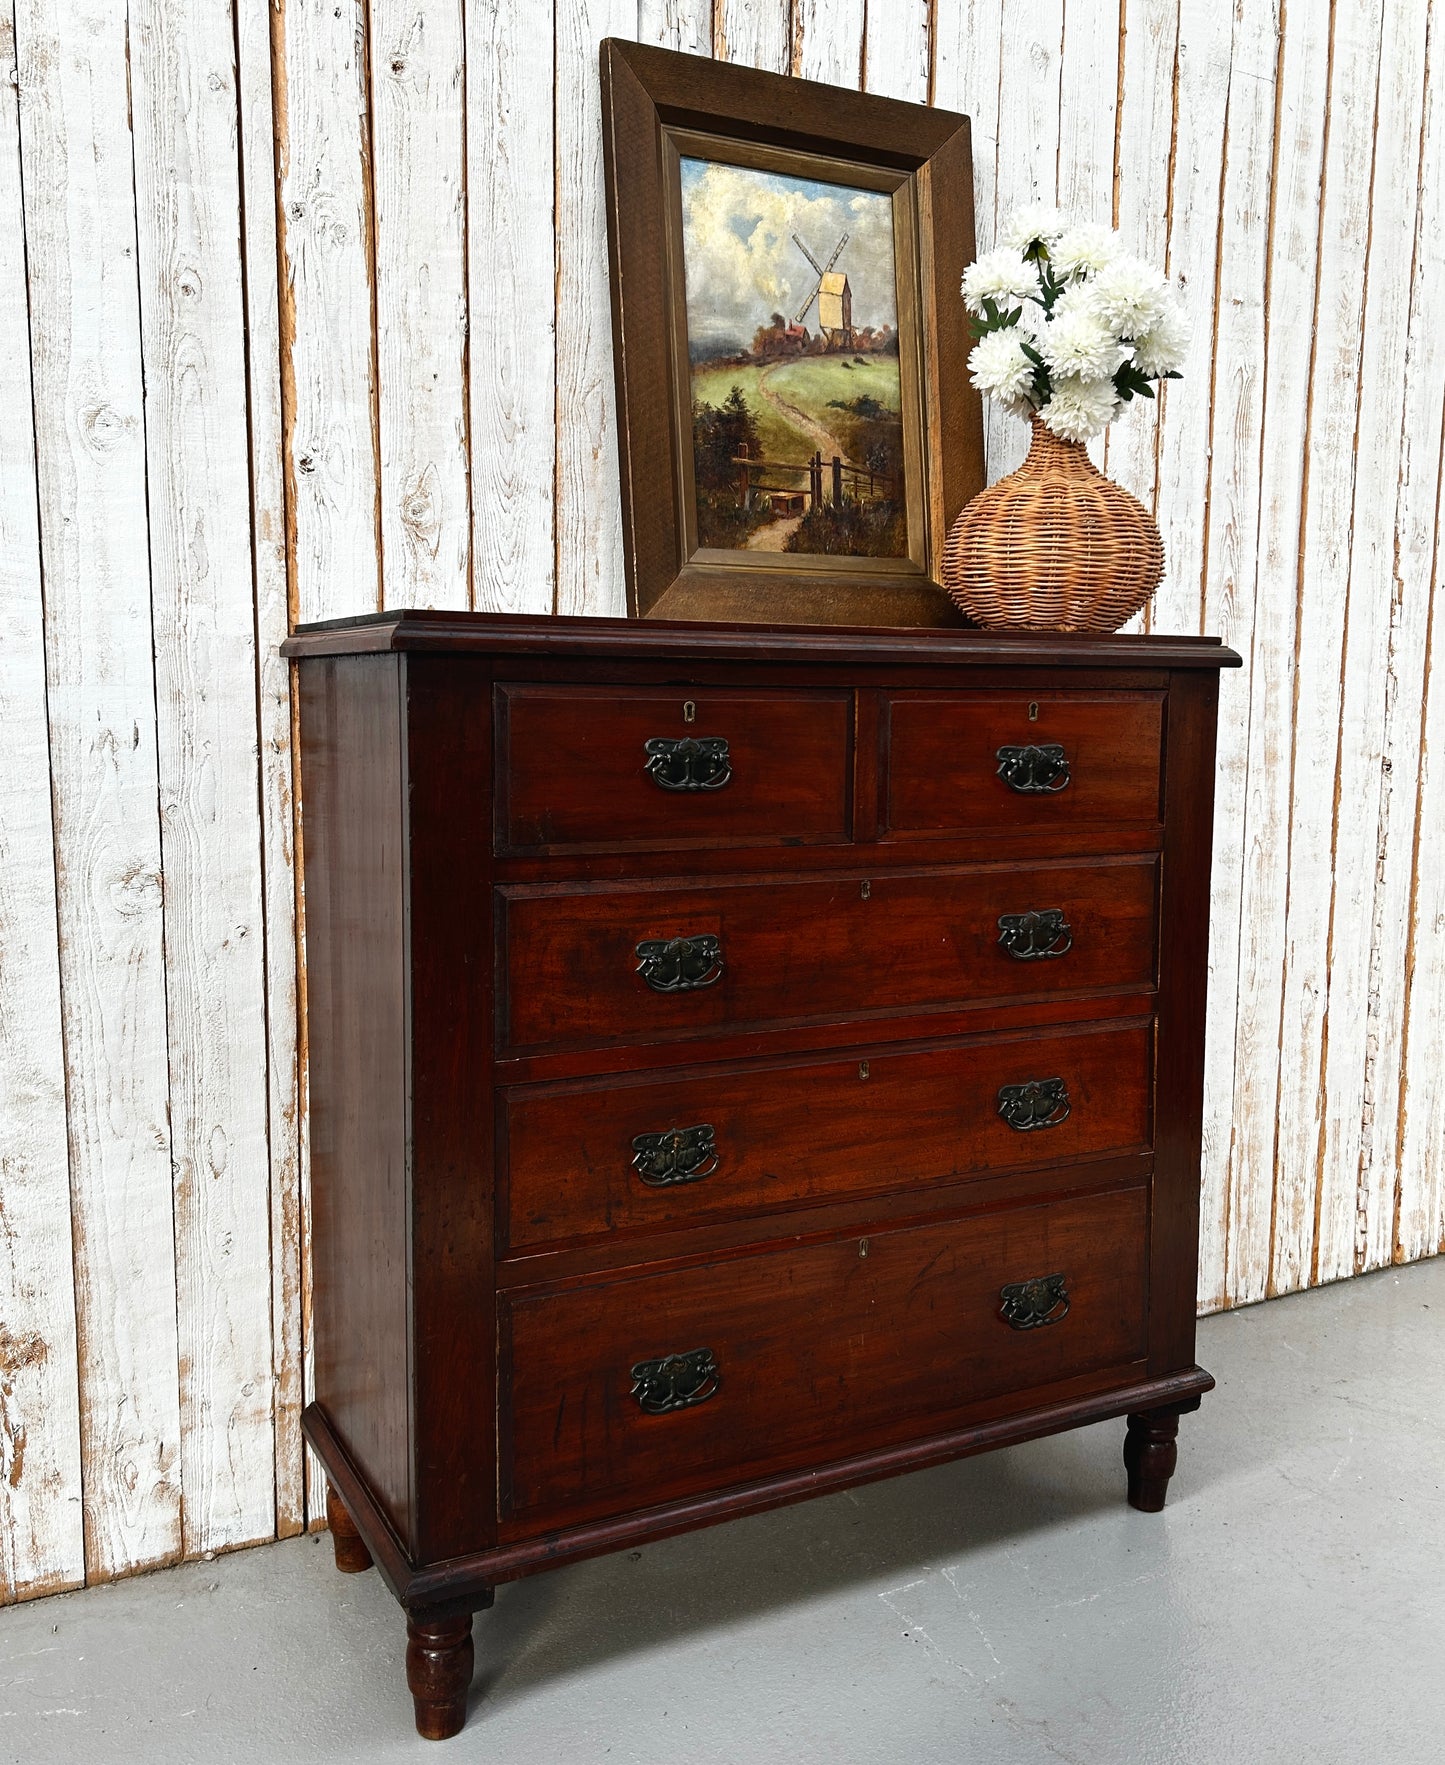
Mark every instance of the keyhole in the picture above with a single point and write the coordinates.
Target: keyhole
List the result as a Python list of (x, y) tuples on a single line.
[(862, 1069), (865, 889), (862, 1247), (689, 711), (1033, 711)]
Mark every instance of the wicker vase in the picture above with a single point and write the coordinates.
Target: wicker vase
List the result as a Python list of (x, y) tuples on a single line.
[(1055, 546)]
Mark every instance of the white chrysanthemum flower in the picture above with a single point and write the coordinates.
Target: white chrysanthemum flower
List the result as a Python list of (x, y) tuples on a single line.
[(1077, 345), (1083, 250), (1162, 348), (1129, 295), (1001, 276), (1080, 409), (999, 367), (1037, 225)]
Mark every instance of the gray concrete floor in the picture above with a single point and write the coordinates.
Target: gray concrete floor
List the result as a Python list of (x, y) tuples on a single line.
[(1008, 1609)]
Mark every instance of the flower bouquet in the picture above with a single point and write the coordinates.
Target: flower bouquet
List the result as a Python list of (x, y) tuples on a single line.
[(1069, 330)]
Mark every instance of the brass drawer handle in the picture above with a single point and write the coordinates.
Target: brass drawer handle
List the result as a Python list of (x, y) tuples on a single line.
[(1027, 1304), (688, 762), (676, 1155), (675, 1381), (1029, 936), (1039, 769), (1038, 1103), (680, 965)]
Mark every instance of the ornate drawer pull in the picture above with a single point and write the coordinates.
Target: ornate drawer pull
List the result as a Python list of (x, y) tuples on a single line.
[(1028, 936), (680, 965), (688, 763), (1039, 1103), (675, 1381), (676, 1155), (1027, 1304), (1037, 770)]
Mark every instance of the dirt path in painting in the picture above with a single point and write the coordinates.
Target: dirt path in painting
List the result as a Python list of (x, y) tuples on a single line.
[(775, 536), (825, 442)]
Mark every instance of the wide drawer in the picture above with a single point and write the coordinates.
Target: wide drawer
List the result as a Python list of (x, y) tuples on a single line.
[(593, 768), (642, 963), (630, 1392), (955, 763), (584, 1158)]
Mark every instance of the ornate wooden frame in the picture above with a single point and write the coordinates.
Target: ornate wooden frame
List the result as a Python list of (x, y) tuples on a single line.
[(656, 104)]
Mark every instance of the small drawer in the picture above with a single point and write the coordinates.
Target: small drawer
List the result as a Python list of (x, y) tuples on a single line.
[(640, 1154), (636, 964), (629, 1392), (954, 763), (598, 768)]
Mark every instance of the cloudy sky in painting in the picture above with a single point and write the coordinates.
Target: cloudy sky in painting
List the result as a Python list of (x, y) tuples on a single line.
[(742, 264)]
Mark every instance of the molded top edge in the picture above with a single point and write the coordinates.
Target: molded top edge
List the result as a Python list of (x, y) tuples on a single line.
[(543, 634)]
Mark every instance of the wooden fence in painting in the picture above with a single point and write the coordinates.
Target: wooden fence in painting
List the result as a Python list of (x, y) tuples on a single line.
[(844, 478)]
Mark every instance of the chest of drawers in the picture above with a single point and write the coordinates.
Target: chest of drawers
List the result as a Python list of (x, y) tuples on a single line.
[(742, 1063)]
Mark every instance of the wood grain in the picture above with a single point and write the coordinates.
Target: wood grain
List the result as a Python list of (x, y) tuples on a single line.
[(589, 576), (828, 40), (512, 311), (418, 90), (183, 92), (328, 306), (273, 732), (1355, 1079), (898, 50), (80, 235), (1412, 999), (1264, 888), (754, 32), (1311, 1165), (42, 1545)]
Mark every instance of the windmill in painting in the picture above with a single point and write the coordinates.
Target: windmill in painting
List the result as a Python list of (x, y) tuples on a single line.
[(834, 296)]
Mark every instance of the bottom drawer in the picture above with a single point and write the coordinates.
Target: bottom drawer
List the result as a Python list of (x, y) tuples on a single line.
[(626, 1392)]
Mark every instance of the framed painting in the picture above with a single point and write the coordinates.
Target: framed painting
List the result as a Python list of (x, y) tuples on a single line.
[(796, 430)]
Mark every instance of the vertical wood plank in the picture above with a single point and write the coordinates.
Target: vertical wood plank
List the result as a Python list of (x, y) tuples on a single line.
[(897, 50), (417, 85), (1411, 904), (1088, 120), (1201, 96), (828, 40), (590, 575), (327, 309), (1359, 1161), (968, 42), (1314, 1231), (1264, 881), (685, 25), (80, 233), (512, 316), (754, 32), (183, 93), (1030, 51), (1139, 206), (42, 1542), (273, 704), (1225, 603)]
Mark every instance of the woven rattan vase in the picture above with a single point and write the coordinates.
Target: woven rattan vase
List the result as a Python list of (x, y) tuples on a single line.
[(1055, 546)]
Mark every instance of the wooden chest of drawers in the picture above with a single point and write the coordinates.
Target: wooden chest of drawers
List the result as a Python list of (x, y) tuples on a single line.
[(742, 1063)]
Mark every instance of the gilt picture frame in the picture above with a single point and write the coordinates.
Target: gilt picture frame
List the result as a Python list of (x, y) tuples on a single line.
[(795, 426)]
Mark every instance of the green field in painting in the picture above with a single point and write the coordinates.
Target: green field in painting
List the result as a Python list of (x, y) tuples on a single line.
[(792, 402)]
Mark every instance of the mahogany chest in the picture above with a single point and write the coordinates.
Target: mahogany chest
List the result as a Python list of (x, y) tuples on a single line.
[(743, 1062)]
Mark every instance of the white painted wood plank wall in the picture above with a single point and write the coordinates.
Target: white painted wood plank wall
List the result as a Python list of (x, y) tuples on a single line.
[(310, 307)]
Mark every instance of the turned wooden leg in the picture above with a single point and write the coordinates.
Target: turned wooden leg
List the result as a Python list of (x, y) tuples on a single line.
[(1151, 1451), (439, 1671), (352, 1556)]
